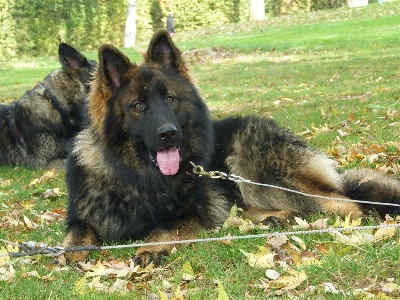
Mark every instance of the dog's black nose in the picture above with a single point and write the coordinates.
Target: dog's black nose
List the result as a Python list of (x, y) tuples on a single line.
[(167, 132)]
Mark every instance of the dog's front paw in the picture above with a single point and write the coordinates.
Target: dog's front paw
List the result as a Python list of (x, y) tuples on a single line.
[(75, 257), (146, 258)]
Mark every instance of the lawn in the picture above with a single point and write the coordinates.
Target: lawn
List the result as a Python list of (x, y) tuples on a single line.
[(332, 77)]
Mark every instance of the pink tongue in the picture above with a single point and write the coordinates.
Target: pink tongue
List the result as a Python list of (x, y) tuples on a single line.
[(168, 161)]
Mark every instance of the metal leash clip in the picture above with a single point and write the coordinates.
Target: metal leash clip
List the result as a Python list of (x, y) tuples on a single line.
[(199, 170)]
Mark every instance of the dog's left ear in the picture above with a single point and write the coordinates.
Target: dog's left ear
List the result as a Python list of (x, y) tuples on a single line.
[(70, 58), (163, 51)]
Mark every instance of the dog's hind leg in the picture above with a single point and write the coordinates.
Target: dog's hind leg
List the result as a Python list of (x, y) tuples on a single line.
[(181, 230)]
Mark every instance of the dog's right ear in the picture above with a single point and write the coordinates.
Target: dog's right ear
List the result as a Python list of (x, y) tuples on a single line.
[(70, 58), (113, 65)]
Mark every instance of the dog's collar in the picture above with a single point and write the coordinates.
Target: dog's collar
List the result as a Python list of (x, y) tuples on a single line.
[(65, 116), (17, 135)]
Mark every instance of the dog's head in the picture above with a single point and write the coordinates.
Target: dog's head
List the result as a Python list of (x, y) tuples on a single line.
[(146, 107), (67, 88), (76, 64)]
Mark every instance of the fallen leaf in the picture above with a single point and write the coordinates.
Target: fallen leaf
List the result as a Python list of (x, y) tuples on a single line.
[(299, 242), (121, 286), (80, 286), (29, 223), (272, 274), (390, 287), (4, 251), (222, 295), (385, 233), (246, 226), (97, 270), (52, 194), (277, 241), (302, 224), (187, 270), (291, 280), (363, 294), (342, 133), (329, 288), (5, 183), (232, 222), (320, 224), (357, 238), (7, 274), (96, 285), (261, 259), (178, 295), (50, 174)]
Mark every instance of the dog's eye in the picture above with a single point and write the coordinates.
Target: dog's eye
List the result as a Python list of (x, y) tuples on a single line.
[(137, 106), (170, 99)]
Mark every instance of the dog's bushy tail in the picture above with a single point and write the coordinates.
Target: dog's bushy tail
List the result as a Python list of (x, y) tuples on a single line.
[(367, 185)]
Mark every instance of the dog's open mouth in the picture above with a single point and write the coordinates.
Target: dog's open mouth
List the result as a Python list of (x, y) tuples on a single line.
[(167, 160)]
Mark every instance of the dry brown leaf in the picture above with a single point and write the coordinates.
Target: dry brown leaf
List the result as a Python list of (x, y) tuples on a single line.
[(301, 224), (261, 259), (291, 280), (7, 274), (246, 226), (48, 175), (96, 285), (48, 217), (52, 194), (28, 223), (357, 238), (390, 287), (277, 241), (299, 242), (320, 224), (5, 250), (385, 233), (5, 183), (121, 286)]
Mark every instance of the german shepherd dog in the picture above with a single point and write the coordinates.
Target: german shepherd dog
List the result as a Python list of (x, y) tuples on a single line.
[(37, 128), (127, 175)]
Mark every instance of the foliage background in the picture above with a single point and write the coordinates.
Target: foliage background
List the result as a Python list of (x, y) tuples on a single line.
[(34, 27)]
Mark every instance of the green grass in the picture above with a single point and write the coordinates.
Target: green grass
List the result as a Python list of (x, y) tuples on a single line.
[(337, 70)]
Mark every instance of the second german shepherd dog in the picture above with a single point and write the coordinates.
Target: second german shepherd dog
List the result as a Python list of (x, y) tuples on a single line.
[(127, 175), (38, 127)]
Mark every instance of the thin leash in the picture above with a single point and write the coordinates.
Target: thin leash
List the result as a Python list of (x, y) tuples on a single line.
[(199, 170), (34, 248)]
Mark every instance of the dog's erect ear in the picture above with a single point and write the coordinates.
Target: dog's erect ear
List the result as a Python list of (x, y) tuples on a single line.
[(70, 58), (163, 51), (112, 65)]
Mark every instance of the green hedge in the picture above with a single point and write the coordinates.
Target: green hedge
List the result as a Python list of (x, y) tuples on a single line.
[(282, 7), (188, 14), (33, 27)]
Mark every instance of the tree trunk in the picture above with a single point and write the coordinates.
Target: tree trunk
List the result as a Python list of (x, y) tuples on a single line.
[(257, 10), (130, 25)]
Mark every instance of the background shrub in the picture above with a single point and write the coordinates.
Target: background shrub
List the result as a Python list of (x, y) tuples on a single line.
[(35, 27)]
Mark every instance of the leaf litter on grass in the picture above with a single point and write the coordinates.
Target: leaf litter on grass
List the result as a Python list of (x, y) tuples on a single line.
[(285, 257)]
